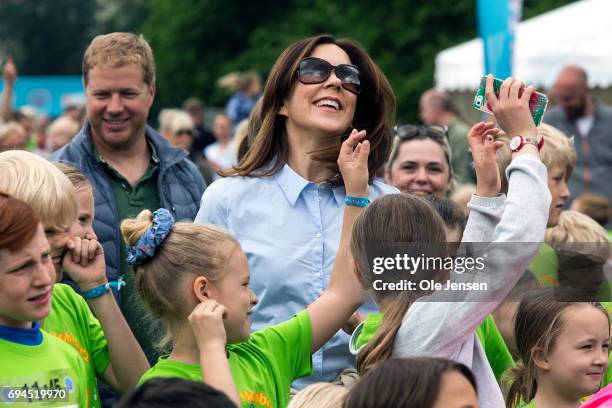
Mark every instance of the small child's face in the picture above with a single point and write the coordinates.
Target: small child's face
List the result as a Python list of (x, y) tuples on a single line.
[(58, 240), (233, 292), (456, 392), (83, 228), (579, 357), (557, 184)]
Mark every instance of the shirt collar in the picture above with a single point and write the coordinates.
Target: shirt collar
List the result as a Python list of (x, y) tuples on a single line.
[(154, 156), (27, 337), (292, 185)]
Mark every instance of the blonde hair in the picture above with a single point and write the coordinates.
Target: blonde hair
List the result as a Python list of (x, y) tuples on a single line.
[(41, 185), (165, 118), (188, 249), (11, 127), (116, 50), (558, 149), (65, 125), (575, 228), (180, 120), (78, 179), (320, 394)]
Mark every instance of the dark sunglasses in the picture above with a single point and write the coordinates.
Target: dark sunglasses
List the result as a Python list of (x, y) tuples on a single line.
[(407, 132), (315, 71)]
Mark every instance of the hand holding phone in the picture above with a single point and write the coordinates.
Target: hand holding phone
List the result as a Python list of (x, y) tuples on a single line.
[(537, 103)]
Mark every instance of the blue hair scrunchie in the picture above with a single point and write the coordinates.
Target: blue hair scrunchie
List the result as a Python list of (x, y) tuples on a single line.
[(152, 238)]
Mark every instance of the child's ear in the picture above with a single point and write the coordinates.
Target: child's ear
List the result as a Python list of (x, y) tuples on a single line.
[(201, 287), (539, 358)]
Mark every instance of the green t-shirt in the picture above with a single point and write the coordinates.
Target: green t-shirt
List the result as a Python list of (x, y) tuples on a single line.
[(492, 341), (545, 266), (50, 365), (72, 321), (263, 367), (494, 346)]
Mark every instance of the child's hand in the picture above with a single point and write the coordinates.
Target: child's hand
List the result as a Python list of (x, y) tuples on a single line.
[(206, 321), (353, 164), (484, 146), (84, 262), (511, 111)]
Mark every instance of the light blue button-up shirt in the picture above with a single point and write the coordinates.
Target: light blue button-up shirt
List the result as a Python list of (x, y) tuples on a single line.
[(289, 229)]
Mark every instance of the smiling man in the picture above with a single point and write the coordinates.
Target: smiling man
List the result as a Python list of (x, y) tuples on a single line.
[(130, 166)]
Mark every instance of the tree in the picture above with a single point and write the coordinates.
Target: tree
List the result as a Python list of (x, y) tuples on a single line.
[(195, 44)]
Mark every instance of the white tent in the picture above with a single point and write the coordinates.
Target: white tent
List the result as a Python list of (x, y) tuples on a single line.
[(579, 33)]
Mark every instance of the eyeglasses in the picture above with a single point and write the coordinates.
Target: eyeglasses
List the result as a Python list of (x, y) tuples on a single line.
[(315, 71), (407, 132)]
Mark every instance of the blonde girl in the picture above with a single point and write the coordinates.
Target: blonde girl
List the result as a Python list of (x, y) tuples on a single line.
[(195, 278)]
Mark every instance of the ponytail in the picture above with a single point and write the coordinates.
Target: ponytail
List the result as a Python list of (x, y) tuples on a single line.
[(380, 347), (523, 385)]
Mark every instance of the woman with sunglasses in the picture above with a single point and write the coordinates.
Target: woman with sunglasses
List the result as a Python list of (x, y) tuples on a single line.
[(420, 161), (284, 200)]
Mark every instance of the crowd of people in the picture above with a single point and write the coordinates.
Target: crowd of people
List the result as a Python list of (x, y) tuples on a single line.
[(259, 263)]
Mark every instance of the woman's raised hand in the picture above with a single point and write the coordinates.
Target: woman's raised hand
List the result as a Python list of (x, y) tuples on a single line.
[(484, 146), (353, 164)]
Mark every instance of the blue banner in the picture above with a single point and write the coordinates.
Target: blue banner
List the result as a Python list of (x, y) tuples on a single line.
[(497, 21), (48, 95)]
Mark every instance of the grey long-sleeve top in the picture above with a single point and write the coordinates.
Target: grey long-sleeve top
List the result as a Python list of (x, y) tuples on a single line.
[(446, 329)]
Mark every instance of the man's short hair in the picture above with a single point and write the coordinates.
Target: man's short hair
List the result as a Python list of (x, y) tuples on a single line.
[(175, 392), (116, 50)]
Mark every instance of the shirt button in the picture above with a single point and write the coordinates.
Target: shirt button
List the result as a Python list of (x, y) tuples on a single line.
[(318, 234)]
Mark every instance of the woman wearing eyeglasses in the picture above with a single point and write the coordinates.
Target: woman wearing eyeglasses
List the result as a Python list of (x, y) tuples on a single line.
[(285, 198), (420, 161)]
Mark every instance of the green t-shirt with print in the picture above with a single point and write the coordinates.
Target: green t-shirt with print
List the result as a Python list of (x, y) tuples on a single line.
[(491, 339), (263, 367), (51, 365), (494, 346), (72, 321)]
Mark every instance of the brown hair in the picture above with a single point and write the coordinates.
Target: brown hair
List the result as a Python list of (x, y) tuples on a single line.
[(595, 206), (78, 179), (409, 133), (539, 321), (188, 249), (390, 221), (375, 112), (404, 382), (116, 50), (18, 222)]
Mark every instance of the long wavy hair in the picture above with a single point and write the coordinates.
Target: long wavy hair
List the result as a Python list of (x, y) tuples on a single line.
[(267, 143)]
